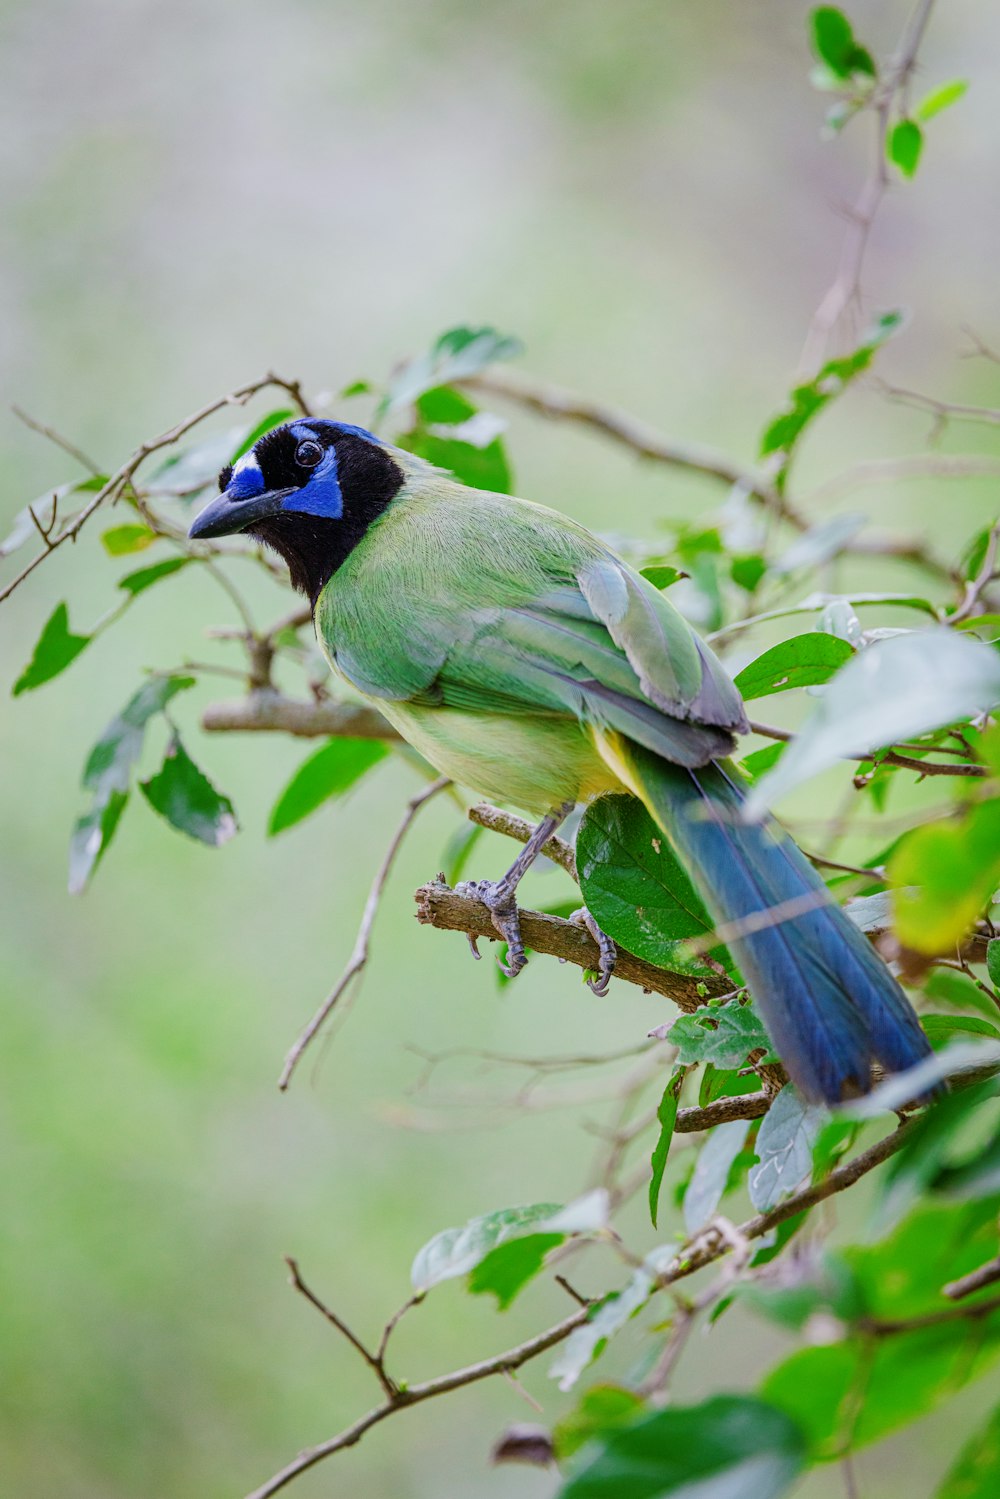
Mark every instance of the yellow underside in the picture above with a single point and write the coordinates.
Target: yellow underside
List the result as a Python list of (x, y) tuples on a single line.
[(531, 762)]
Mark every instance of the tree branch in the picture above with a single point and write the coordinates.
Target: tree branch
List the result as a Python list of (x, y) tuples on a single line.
[(711, 1245), (439, 906), (359, 957), (268, 711)]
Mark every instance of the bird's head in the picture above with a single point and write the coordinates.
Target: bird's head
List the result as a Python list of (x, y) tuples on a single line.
[(310, 489)]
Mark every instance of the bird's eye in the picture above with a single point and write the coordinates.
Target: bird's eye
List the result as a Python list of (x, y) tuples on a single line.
[(225, 477), (308, 454)]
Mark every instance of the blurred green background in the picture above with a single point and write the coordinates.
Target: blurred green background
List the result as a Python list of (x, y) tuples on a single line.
[(193, 193)]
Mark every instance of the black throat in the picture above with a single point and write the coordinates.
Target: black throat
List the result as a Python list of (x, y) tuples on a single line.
[(314, 548)]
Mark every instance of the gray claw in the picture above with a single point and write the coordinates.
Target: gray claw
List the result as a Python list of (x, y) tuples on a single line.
[(607, 949), (502, 906)]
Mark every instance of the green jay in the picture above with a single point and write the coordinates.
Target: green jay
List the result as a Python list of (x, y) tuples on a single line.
[(527, 661)]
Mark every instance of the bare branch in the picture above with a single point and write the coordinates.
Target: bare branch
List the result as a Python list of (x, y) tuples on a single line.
[(441, 907), (373, 1360), (269, 711), (984, 577), (497, 821), (56, 437), (722, 1111), (709, 1246), (555, 402), (359, 957), (891, 757), (123, 476), (976, 1280), (942, 411)]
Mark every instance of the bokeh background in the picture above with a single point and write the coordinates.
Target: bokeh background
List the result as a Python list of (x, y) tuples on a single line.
[(193, 193)]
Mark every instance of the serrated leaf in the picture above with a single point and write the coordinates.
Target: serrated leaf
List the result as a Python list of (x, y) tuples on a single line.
[(943, 875), (666, 1115), (721, 1034), (730, 1447), (56, 649), (144, 577), (327, 773), (890, 691), (634, 886), (185, 797), (784, 1148), (942, 97), (711, 1173), (904, 144), (801, 661), (119, 541)]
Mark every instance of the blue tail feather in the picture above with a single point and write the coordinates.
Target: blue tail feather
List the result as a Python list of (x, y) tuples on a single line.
[(829, 1003)]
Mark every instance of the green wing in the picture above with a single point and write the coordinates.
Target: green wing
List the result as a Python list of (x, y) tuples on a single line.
[(475, 601)]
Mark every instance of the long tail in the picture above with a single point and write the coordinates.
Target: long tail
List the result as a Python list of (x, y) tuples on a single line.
[(829, 1003)]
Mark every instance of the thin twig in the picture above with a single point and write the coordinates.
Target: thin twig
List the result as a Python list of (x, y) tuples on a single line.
[(497, 821), (984, 577), (976, 1280), (890, 757), (373, 1360), (56, 437), (845, 289), (708, 1247), (122, 476), (359, 956)]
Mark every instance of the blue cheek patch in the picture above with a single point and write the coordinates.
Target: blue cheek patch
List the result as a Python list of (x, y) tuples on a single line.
[(321, 495)]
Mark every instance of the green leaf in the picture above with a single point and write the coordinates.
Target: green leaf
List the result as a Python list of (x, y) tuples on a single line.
[(817, 601), (133, 537), (145, 577), (605, 1319), (976, 1474), (904, 144), (456, 1251), (602, 1408), (807, 400), (508, 1268), (993, 960), (747, 572), (890, 691), (784, 1147), (943, 875), (90, 837), (836, 46), (848, 1394), (266, 424), (942, 97), (327, 773), (660, 575), (730, 1447), (185, 470), (455, 356), (725, 1082), (666, 1115), (711, 1173), (760, 761), (108, 774), (633, 884), (801, 661), (57, 647), (940, 1030), (935, 1149), (186, 798), (723, 1034), (958, 992)]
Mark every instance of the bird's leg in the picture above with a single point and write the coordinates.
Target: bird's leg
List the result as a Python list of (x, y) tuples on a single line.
[(606, 948), (500, 896)]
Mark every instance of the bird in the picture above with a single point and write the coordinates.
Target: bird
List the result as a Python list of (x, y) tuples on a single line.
[(525, 660)]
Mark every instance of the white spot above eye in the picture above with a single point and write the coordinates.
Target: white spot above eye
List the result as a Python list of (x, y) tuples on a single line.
[(248, 461)]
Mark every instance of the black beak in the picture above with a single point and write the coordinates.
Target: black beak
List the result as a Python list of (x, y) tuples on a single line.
[(225, 514)]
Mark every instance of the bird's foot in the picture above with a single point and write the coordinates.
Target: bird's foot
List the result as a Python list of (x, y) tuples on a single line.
[(501, 902), (607, 949)]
